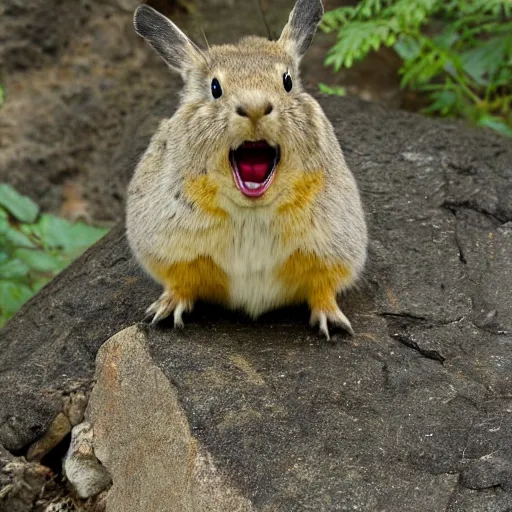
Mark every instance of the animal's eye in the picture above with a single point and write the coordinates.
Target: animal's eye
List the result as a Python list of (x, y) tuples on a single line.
[(287, 82), (216, 89)]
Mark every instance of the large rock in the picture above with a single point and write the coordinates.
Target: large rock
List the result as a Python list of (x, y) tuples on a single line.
[(413, 413)]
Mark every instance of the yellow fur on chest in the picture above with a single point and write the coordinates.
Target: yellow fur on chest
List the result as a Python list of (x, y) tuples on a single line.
[(294, 215), (302, 277), (312, 279), (203, 193), (251, 259)]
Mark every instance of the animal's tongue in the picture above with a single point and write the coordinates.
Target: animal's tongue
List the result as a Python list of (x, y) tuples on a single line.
[(254, 167)]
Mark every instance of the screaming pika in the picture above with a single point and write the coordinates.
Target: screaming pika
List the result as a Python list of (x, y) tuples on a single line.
[(243, 196)]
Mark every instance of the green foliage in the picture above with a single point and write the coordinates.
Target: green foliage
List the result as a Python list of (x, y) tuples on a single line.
[(327, 89), (34, 247), (457, 52)]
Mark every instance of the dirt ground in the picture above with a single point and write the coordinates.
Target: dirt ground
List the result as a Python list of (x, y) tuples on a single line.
[(76, 73)]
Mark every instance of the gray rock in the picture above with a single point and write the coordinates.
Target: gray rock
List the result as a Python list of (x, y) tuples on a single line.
[(22, 483), (488, 471), (142, 436), (400, 417)]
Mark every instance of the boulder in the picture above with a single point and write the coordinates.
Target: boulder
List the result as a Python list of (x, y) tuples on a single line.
[(412, 413)]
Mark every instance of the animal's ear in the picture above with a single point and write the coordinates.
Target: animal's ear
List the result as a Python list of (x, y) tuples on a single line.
[(301, 27), (178, 51)]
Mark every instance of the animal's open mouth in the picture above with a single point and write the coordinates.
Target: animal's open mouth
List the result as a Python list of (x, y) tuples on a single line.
[(254, 165)]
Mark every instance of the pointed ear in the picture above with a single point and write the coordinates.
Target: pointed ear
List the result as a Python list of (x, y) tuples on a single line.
[(178, 51), (301, 27)]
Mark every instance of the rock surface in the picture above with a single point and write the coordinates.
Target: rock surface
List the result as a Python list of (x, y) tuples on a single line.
[(413, 413), (87, 476), (143, 438)]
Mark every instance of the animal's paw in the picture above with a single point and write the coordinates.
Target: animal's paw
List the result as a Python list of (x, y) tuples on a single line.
[(334, 317), (166, 304)]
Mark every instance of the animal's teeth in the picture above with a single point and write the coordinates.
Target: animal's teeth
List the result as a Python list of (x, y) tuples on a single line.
[(252, 184)]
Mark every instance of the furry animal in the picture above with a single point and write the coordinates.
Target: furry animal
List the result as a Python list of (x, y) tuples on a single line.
[(243, 196)]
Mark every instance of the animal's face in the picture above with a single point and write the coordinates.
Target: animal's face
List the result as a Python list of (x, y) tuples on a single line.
[(242, 105)]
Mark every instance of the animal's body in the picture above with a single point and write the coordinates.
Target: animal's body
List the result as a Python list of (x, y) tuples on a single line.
[(244, 198)]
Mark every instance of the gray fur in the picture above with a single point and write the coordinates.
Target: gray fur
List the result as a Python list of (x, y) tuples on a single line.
[(165, 37), (302, 25)]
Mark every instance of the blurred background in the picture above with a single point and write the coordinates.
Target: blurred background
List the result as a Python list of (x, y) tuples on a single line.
[(80, 95)]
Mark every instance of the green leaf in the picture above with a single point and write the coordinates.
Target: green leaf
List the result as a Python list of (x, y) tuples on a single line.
[(60, 234), (332, 20), (444, 102), (446, 38), (17, 238), (39, 283), (356, 40), (411, 15), (4, 220), (390, 40), (407, 48), (334, 90), (365, 11), (38, 260), (21, 207), (34, 248), (496, 123), (13, 269), (12, 296), (482, 63)]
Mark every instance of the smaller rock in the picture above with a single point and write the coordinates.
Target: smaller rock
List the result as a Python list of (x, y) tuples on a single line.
[(62, 505), (74, 407), (143, 437), (22, 483), (58, 430), (81, 467)]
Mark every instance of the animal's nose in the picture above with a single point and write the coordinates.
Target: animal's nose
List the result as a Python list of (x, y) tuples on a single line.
[(255, 112)]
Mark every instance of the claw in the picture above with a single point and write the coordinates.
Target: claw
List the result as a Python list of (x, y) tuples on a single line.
[(336, 317), (161, 308), (160, 314), (165, 305), (181, 307), (342, 321)]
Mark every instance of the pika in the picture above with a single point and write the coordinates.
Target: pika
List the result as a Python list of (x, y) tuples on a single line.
[(243, 196)]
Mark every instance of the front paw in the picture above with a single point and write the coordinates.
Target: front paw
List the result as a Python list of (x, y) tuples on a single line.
[(334, 317), (166, 304)]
